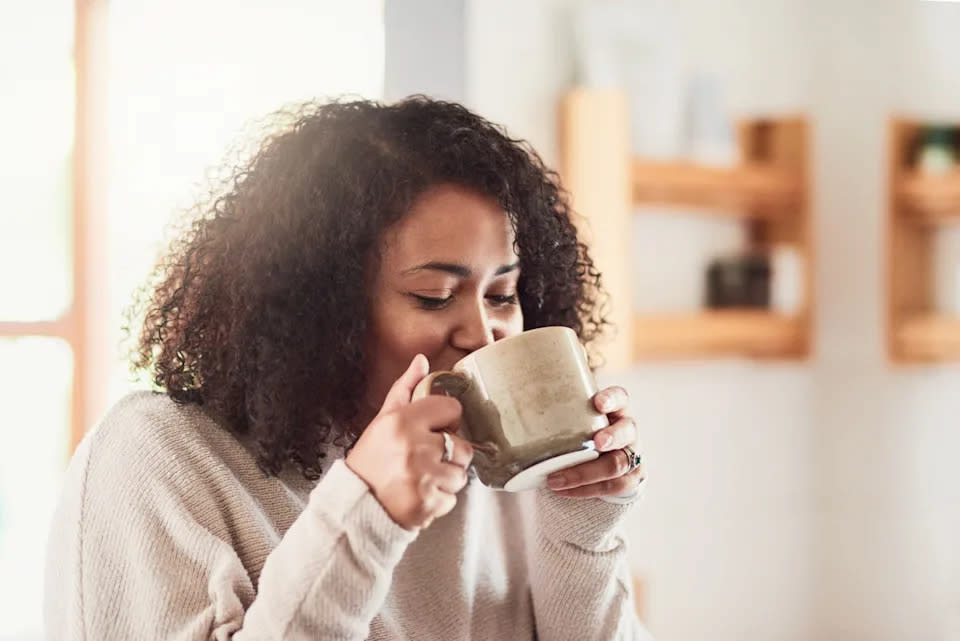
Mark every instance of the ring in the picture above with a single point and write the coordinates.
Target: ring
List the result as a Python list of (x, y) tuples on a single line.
[(633, 458), (447, 448)]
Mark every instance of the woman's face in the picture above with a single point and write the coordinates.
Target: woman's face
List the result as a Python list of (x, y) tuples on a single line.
[(447, 285)]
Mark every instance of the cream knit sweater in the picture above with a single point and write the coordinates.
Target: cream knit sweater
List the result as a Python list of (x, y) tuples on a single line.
[(167, 529)]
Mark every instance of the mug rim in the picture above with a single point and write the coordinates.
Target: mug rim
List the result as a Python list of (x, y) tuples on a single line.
[(502, 341)]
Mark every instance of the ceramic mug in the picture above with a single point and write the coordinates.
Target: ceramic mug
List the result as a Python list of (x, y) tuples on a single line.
[(527, 406)]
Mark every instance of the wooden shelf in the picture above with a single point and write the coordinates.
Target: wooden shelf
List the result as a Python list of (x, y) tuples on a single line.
[(928, 338), (768, 191), (918, 204), (755, 333), (930, 199), (748, 191)]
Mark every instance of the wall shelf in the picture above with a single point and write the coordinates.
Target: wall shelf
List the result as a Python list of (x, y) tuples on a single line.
[(929, 337), (929, 199), (718, 333), (918, 204), (768, 192), (744, 192)]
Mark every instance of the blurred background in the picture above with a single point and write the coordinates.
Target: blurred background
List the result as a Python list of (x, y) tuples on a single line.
[(771, 188)]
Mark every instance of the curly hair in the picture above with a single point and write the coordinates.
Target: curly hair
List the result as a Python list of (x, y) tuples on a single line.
[(257, 300)]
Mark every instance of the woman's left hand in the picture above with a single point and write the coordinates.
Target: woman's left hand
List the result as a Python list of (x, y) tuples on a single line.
[(610, 474)]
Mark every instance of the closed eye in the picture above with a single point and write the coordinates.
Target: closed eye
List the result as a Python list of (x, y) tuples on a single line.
[(431, 302), (434, 302), (502, 300)]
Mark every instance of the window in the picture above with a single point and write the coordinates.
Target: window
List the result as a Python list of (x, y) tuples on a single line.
[(100, 152), (177, 103), (37, 324)]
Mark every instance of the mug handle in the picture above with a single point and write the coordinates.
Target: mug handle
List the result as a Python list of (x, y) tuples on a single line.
[(452, 383)]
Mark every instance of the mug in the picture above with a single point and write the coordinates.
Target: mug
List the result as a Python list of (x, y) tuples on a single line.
[(527, 406)]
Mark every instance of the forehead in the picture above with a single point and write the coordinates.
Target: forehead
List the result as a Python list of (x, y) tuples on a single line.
[(452, 224)]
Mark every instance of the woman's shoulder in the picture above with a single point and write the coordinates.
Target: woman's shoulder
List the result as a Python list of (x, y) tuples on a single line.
[(155, 478), (147, 436), (146, 422), (153, 461)]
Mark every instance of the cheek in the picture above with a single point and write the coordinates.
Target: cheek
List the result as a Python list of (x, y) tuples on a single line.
[(514, 324), (405, 335), (398, 333)]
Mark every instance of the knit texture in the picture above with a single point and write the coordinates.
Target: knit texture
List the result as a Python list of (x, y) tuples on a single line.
[(167, 529)]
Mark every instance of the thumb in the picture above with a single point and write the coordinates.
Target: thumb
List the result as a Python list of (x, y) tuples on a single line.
[(402, 389)]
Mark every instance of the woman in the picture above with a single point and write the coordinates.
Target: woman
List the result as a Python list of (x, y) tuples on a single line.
[(281, 483)]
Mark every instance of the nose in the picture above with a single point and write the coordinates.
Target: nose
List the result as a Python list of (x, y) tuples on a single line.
[(475, 328)]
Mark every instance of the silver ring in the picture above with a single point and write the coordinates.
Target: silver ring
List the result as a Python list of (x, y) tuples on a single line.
[(447, 448), (633, 458)]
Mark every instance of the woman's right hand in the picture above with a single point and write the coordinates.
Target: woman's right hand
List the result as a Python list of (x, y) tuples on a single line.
[(399, 455)]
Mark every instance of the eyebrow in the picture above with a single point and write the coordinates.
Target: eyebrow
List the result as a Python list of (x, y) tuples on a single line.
[(457, 270)]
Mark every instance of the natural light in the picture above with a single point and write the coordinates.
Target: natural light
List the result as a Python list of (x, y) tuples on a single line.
[(184, 79), (177, 104)]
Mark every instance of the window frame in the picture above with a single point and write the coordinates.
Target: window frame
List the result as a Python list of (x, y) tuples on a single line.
[(83, 325)]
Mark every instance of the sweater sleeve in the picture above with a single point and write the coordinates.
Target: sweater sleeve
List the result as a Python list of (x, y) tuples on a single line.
[(135, 554), (580, 577), (330, 575)]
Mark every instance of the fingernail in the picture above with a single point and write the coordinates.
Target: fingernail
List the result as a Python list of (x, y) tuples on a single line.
[(603, 441), (606, 405), (555, 481), (421, 361)]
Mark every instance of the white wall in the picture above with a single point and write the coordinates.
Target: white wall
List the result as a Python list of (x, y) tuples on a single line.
[(519, 59), (723, 539), (803, 501), (888, 488), (176, 106), (424, 47)]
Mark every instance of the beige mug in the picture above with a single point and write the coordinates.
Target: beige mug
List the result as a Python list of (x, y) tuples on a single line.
[(527, 406)]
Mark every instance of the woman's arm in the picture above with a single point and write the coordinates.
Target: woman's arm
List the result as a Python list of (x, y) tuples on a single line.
[(133, 555), (580, 578), (330, 574)]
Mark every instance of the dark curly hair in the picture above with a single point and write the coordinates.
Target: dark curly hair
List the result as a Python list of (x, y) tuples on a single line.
[(257, 299)]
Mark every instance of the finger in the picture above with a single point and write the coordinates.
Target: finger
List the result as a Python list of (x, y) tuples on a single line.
[(428, 453), (402, 389), (433, 414), (611, 400), (609, 466), (434, 501), (623, 432), (448, 478), (621, 486), (446, 501)]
